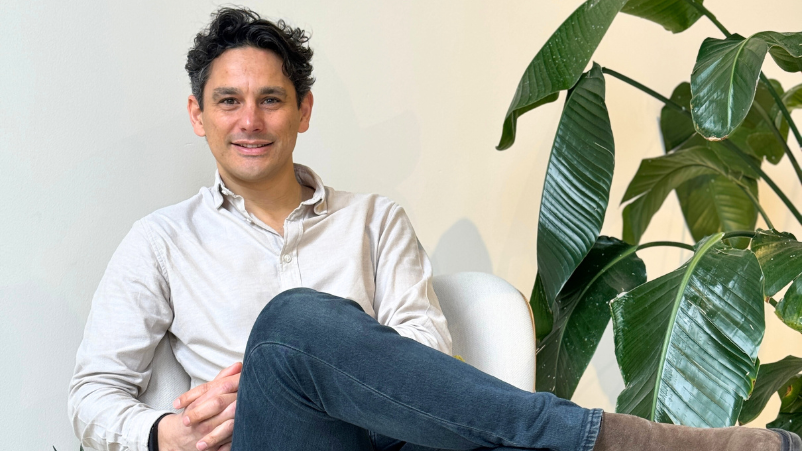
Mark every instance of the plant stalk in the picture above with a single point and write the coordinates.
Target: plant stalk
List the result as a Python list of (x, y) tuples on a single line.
[(779, 137), (757, 205), (739, 234), (670, 103), (710, 16), (781, 105), (737, 151), (665, 243), (725, 142)]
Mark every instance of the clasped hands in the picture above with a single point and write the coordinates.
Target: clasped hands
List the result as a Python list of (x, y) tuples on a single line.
[(207, 422)]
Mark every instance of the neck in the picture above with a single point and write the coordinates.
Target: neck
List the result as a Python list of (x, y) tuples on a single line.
[(270, 200)]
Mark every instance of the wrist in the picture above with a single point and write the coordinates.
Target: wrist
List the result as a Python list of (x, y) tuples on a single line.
[(166, 428)]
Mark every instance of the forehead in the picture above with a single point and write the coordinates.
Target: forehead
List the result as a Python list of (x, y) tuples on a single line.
[(247, 67)]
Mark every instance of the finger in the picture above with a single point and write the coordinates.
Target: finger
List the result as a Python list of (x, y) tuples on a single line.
[(227, 384), (229, 371), (216, 388), (226, 447), (211, 407), (219, 436)]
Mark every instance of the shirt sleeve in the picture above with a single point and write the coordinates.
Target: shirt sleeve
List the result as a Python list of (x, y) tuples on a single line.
[(404, 297), (130, 314)]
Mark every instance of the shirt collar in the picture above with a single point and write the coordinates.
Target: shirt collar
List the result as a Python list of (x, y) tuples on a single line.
[(303, 174)]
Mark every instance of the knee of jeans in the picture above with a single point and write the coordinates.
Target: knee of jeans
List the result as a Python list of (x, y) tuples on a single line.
[(301, 312)]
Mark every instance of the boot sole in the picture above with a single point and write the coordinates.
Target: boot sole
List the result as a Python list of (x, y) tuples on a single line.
[(791, 441)]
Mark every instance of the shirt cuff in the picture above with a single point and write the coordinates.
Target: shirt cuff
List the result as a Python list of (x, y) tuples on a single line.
[(153, 438)]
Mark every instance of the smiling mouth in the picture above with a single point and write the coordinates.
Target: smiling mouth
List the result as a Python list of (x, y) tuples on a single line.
[(252, 149), (252, 146)]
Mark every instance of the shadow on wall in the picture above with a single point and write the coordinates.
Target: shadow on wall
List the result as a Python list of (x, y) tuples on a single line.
[(461, 248)]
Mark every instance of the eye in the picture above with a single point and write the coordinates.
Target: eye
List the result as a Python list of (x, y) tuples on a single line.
[(270, 100), (228, 101)]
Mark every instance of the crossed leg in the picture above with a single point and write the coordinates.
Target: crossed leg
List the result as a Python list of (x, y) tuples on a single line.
[(320, 374)]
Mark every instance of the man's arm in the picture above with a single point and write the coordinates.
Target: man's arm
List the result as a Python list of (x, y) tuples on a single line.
[(404, 298), (129, 316)]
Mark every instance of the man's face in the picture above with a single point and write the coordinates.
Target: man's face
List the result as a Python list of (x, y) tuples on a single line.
[(251, 117)]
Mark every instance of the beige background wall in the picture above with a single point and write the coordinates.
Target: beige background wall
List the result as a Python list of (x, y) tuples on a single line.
[(409, 103)]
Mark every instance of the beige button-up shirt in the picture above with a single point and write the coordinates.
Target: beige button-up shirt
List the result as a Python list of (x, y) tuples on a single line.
[(203, 270)]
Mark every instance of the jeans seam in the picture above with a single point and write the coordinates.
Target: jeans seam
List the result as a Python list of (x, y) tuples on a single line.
[(592, 429), (375, 390)]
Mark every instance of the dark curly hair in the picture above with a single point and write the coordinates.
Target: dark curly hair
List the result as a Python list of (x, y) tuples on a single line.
[(240, 27)]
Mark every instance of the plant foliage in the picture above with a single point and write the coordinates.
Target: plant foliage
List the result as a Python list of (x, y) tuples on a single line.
[(686, 342)]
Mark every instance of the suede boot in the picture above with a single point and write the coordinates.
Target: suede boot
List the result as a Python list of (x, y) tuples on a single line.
[(629, 433)]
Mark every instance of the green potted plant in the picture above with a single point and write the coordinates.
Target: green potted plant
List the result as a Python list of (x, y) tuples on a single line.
[(686, 342)]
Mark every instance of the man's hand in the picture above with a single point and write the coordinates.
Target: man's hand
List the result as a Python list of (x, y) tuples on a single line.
[(207, 423)]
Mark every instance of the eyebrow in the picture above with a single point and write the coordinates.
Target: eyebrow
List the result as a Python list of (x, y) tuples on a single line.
[(265, 91), (273, 90), (224, 91)]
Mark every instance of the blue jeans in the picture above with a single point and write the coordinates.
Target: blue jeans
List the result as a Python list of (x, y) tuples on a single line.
[(321, 374)]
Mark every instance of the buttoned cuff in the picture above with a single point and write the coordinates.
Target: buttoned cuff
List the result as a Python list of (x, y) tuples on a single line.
[(153, 439), (138, 436)]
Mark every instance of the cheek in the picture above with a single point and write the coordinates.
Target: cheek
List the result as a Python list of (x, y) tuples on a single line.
[(287, 125)]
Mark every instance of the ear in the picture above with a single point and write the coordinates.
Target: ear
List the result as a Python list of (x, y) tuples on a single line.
[(195, 116), (306, 112)]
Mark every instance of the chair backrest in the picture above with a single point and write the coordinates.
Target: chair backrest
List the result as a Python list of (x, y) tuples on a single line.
[(489, 320), (491, 325)]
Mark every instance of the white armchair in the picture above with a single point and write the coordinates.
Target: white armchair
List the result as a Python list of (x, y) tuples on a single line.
[(490, 322)]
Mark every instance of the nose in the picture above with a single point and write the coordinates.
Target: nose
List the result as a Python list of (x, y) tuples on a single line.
[(251, 120)]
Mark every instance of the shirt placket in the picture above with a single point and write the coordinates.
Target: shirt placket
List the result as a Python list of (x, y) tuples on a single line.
[(289, 269)]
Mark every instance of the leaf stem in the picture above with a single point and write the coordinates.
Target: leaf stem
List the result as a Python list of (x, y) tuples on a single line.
[(736, 150), (781, 105), (710, 16), (759, 207), (665, 243), (727, 143), (779, 137), (670, 103), (739, 234)]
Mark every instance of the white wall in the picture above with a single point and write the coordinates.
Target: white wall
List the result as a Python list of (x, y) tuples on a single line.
[(409, 103)]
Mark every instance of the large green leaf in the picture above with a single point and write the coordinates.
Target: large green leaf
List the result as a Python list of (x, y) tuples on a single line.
[(788, 421), (789, 309), (581, 313), (780, 257), (675, 127), (790, 417), (559, 63), (687, 342), (674, 15), (714, 203), (770, 378), (791, 395), (577, 185), (725, 76), (754, 135), (788, 61), (657, 177)]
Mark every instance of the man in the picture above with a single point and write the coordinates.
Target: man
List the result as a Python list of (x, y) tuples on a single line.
[(330, 290)]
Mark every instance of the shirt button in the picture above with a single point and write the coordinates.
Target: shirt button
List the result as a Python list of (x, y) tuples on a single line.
[(287, 258)]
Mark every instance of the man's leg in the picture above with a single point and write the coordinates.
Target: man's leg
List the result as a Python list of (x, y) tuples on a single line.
[(319, 374)]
